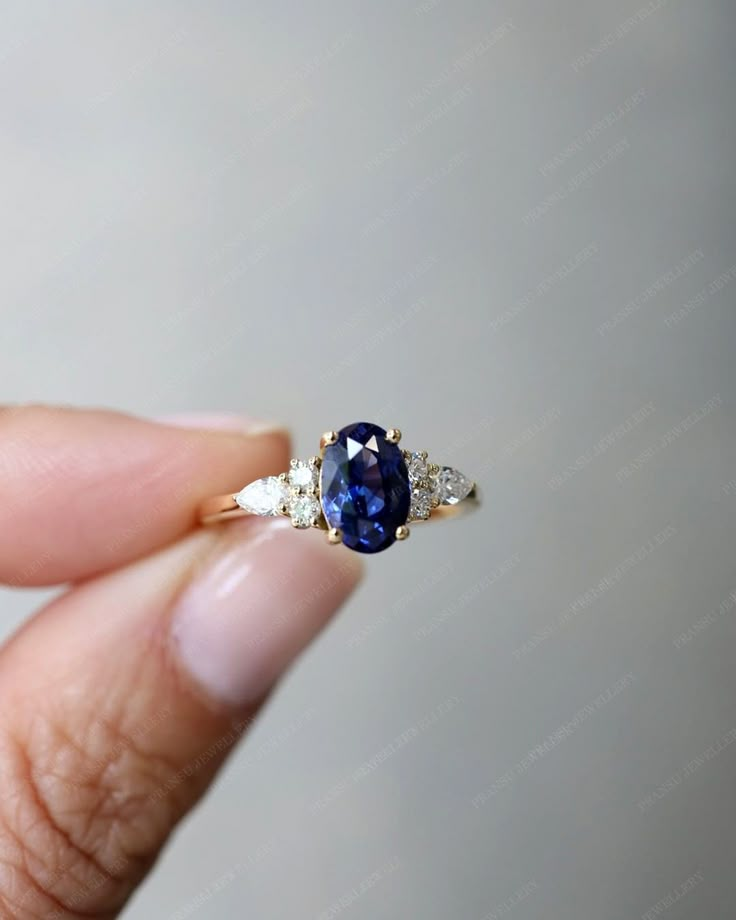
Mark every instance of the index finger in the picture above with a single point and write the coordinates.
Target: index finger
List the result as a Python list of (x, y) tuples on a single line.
[(86, 490)]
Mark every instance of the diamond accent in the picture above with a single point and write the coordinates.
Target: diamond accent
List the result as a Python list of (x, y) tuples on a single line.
[(303, 476), (304, 510), (452, 486), (262, 496), (417, 467), (421, 505), (422, 477)]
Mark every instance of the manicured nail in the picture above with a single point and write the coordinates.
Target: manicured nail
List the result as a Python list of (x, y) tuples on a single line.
[(264, 594), (219, 421)]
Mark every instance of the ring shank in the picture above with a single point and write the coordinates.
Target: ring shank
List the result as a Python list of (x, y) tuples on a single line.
[(219, 508)]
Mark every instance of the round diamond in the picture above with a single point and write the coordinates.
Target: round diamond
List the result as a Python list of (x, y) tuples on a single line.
[(302, 476), (417, 466), (304, 510), (421, 505)]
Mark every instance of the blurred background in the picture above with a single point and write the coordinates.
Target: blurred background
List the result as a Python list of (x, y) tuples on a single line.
[(507, 228)]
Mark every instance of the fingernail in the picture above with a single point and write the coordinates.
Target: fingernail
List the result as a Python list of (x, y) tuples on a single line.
[(265, 593), (218, 421)]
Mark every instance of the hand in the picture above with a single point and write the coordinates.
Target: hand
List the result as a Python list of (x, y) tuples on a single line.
[(121, 698)]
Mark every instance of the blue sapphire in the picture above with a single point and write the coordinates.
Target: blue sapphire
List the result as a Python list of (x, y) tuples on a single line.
[(365, 487)]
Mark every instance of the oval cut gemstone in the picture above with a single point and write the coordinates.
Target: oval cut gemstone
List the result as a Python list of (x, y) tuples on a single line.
[(364, 485)]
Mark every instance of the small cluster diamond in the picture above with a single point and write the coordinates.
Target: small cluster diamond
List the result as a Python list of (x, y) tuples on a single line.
[(417, 467), (303, 476), (304, 510), (422, 481), (420, 507), (302, 503)]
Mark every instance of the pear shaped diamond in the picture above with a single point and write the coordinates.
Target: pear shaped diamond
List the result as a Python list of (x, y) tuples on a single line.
[(452, 486), (263, 496)]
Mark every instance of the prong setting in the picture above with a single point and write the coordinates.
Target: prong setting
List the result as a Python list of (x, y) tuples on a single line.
[(393, 435), (402, 532), (329, 437), (334, 535)]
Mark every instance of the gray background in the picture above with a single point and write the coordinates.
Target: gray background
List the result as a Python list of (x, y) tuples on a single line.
[(322, 212)]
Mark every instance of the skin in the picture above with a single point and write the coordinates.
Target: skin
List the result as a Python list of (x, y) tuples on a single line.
[(121, 698)]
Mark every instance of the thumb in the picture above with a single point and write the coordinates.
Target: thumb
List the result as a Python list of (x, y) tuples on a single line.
[(121, 699)]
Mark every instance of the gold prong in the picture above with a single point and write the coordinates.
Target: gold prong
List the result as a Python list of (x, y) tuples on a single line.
[(334, 535), (393, 435), (294, 523), (314, 461), (283, 509), (283, 477), (329, 437), (423, 454), (402, 532)]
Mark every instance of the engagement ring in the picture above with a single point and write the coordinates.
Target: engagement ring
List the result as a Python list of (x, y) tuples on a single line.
[(363, 489)]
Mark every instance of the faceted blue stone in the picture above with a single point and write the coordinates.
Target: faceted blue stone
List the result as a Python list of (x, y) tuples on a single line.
[(364, 486)]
